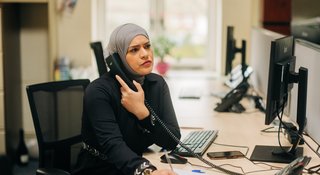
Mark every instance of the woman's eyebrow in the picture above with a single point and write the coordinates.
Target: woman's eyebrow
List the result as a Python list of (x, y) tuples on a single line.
[(138, 45)]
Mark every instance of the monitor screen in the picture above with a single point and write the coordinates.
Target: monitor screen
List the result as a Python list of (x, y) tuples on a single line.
[(281, 78)]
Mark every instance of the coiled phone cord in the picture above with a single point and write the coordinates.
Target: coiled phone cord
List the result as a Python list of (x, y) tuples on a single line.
[(186, 147)]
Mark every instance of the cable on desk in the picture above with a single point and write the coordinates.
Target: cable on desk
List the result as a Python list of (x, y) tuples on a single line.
[(266, 130), (311, 170), (314, 169), (272, 168), (257, 171), (318, 148), (258, 100), (279, 129), (316, 152), (186, 147), (209, 167), (297, 134)]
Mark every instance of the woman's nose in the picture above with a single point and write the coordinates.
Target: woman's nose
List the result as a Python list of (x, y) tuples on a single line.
[(143, 53)]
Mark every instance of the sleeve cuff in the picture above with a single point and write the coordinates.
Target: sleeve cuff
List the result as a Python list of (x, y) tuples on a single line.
[(148, 123), (144, 166)]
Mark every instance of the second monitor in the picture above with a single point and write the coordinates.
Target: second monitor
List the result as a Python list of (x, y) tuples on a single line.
[(240, 71), (280, 81)]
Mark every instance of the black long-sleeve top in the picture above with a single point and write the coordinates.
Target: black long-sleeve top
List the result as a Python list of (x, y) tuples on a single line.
[(108, 127)]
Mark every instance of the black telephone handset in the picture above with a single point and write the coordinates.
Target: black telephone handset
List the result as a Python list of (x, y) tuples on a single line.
[(116, 67)]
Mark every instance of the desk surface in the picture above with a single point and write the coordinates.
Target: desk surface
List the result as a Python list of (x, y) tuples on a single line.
[(234, 129)]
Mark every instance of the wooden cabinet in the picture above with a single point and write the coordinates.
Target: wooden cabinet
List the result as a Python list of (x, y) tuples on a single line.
[(34, 34), (277, 15), (2, 129), (27, 53)]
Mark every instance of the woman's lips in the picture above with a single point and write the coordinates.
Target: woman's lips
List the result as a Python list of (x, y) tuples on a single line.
[(147, 63)]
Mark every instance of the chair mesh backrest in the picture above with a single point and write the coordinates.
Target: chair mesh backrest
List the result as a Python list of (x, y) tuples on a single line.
[(59, 113), (56, 109)]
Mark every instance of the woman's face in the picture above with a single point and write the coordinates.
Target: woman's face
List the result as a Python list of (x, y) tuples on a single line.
[(140, 55)]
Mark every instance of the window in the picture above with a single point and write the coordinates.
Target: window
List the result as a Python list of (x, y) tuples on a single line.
[(186, 23), (126, 11)]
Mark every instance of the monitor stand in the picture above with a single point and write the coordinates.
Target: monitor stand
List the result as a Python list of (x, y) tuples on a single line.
[(267, 154)]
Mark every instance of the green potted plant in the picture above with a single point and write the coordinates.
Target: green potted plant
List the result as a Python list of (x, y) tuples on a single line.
[(162, 47)]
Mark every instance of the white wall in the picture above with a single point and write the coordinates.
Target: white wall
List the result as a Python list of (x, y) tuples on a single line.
[(74, 34)]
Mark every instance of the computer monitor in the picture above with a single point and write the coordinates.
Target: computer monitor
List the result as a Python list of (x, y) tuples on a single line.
[(308, 55), (231, 50), (282, 62), (280, 82)]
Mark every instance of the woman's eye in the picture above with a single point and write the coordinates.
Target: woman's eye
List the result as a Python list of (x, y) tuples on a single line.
[(133, 50), (147, 46)]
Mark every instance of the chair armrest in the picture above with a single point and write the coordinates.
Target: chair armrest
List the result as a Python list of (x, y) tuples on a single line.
[(51, 171)]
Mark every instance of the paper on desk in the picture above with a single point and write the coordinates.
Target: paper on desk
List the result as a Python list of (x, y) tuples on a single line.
[(184, 172)]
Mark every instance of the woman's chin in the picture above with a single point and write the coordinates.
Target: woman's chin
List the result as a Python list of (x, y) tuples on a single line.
[(145, 71)]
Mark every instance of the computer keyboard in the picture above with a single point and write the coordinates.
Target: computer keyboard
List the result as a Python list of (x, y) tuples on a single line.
[(197, 141), (190, 93)]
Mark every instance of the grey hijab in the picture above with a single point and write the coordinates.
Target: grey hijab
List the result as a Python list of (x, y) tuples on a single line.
[(119, 42)]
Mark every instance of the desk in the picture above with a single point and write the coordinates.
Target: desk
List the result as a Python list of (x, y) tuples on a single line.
[(234, 129)]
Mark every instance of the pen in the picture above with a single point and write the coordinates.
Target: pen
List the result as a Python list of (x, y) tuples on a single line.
[(168, 160), (197, 171)]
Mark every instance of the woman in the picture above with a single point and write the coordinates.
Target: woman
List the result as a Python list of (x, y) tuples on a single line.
[(117, 127)]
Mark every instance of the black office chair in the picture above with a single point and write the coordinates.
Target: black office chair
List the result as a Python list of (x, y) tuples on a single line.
[(56, 109), (98, 52)]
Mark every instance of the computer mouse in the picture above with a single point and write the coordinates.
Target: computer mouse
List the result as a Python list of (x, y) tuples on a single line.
[(174, 159)]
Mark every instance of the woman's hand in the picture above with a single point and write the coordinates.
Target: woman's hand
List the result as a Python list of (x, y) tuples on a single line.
[(133, 101), (163, 172)]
